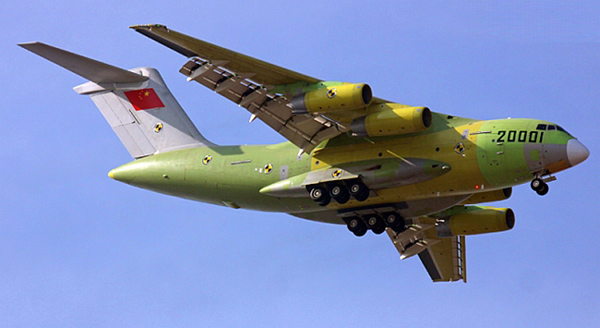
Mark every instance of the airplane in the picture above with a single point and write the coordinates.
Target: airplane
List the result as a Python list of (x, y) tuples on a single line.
[(351, 158)]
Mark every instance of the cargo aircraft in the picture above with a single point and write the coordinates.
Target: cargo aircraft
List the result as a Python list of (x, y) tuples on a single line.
[(352, 159)]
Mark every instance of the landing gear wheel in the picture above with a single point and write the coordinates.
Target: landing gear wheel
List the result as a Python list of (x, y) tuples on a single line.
[(537, 184), (362, 197), (540, 187), (375, 223), (543, 190), (379, 230), (360, 232), (359, 191), (357, 226), (393, 220), (339, 193), (320, 196)]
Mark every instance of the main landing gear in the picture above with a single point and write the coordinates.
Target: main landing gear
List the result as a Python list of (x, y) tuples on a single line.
[(341, 192), (359, 225), (539, 186)]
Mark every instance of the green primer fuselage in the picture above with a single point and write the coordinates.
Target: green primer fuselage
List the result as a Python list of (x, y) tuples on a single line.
[(482, 156)]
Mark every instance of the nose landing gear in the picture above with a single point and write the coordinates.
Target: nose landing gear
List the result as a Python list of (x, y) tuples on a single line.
[(539, 186)]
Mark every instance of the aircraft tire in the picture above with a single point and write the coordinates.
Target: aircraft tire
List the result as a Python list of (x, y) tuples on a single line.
[(320, 196), (543, 190), (393, 220), (357, 226), (375, 223), (362, 197), (379, 229), (537, 184), (358, 190), (339, 193), (360, 232)]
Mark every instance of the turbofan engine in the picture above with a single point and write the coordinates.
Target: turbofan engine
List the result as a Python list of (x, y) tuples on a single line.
[(330, 99), (476, 220), (394, 119)]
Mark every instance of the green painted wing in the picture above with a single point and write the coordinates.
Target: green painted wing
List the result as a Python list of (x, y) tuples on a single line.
[(264, 89)]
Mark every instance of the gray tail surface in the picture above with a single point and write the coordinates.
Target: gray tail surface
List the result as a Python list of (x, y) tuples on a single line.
[(136, 103)]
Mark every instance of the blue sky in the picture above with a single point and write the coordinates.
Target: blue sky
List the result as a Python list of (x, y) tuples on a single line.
[(79, 249)]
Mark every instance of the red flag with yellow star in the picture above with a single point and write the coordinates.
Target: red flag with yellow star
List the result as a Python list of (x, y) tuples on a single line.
[(144, 99)]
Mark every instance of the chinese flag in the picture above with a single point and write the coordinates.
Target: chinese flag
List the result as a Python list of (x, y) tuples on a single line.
[(144, 99)]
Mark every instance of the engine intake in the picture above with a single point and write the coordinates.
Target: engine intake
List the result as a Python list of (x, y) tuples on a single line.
[(394, 120), (330, 99)]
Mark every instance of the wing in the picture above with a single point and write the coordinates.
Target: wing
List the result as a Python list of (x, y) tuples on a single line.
[(264, 89), (443, 258), (191, 47)]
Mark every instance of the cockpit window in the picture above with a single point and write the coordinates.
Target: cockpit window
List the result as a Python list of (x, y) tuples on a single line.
[(551, 127), (541, 127), (559, 128)]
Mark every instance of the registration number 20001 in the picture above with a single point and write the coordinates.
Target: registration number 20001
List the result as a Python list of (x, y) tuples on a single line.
[(520, 136)]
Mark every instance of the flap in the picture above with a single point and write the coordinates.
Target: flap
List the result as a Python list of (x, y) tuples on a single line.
[(443, 258)]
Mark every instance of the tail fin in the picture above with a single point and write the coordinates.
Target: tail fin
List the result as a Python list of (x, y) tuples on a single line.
[(136, 103)]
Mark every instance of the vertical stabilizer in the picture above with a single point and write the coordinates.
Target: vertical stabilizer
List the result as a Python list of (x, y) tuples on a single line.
[(145, 115), (136, 103)]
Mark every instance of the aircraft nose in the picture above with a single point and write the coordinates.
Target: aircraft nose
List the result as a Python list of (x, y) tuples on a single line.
[(576, 152)]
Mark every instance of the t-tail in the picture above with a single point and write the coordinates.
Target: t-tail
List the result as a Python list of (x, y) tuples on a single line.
[(136, 103)]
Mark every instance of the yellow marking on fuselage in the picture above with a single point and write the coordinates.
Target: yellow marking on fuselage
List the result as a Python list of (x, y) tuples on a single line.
[(400, 157), (558, 166), (463, 178)]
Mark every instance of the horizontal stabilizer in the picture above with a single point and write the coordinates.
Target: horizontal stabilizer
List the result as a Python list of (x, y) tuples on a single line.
[(88, 68), (137, 103)]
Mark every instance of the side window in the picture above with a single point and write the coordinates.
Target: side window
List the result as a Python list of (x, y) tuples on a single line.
[(541, 127), (551, 127)]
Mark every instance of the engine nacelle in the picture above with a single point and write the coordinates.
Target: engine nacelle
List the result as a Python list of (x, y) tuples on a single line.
[(330, 99), (394, 120), (489, 196), (476, 220)]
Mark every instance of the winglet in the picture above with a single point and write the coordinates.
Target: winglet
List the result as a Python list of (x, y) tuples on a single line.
[(85, 67)]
